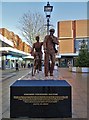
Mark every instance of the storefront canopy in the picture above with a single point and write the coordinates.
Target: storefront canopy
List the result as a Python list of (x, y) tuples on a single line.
[(67, 55), (13, 52)]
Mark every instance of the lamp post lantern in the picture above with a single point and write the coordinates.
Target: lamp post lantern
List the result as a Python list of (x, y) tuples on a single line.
[(48, 9)]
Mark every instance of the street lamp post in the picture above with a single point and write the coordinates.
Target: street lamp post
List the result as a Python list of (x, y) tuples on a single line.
[(48, 9)]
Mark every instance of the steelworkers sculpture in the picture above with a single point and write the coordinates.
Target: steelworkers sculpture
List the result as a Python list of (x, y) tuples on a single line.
[(49, 49)]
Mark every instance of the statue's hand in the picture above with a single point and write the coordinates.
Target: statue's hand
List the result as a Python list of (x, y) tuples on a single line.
[(45, 51)]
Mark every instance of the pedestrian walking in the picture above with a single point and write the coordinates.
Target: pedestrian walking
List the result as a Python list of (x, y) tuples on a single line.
[(17, 65)]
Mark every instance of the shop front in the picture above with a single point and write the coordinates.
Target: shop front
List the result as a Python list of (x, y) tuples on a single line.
[(66, 60), (10, 55)]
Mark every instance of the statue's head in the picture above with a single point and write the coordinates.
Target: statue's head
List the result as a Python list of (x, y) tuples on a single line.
[(52, 31), (37, 38)]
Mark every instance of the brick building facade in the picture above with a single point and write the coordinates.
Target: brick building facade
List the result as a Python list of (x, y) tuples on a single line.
[(11, 53), (71, 34), (17, 41)]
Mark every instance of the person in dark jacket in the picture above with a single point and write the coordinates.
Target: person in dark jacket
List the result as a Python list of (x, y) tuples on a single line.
[(17, 65)]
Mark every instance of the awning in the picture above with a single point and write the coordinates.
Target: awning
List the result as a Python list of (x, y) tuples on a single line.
[(28, 57), (13, 52), (67, 55), (6, 41)]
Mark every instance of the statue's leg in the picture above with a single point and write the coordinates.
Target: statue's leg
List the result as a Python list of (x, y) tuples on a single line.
[(52, 64), (46, 64)]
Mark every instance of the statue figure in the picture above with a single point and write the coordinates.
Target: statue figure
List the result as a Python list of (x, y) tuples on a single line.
[(37, 53), (50, 51)]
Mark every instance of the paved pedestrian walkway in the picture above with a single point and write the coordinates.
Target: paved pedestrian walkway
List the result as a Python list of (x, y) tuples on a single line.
[(78, 81), (8, 73)]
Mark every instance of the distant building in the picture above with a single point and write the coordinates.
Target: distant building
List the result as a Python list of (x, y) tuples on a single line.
[(12, 48), (71, 34)]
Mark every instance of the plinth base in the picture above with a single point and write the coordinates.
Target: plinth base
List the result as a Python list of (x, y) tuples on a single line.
[(40, 99)]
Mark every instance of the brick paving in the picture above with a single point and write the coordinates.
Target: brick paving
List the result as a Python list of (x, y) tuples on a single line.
[(78, 81)]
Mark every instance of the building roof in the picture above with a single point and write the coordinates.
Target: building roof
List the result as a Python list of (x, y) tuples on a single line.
[(6, 41)]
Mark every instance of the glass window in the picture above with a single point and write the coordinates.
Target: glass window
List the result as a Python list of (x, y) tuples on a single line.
[(78, 43)]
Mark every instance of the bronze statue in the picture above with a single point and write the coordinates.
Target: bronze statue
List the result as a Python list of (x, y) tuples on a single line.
[(49, 49), (37, 53)]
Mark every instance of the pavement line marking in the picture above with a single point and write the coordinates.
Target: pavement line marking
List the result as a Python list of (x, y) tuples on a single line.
[(24, 75)]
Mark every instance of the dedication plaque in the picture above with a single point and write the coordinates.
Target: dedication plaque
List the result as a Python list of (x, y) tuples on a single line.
[(40, 99)]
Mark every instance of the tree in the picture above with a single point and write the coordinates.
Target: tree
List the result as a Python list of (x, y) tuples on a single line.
[(83, 58), (32, 24)]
